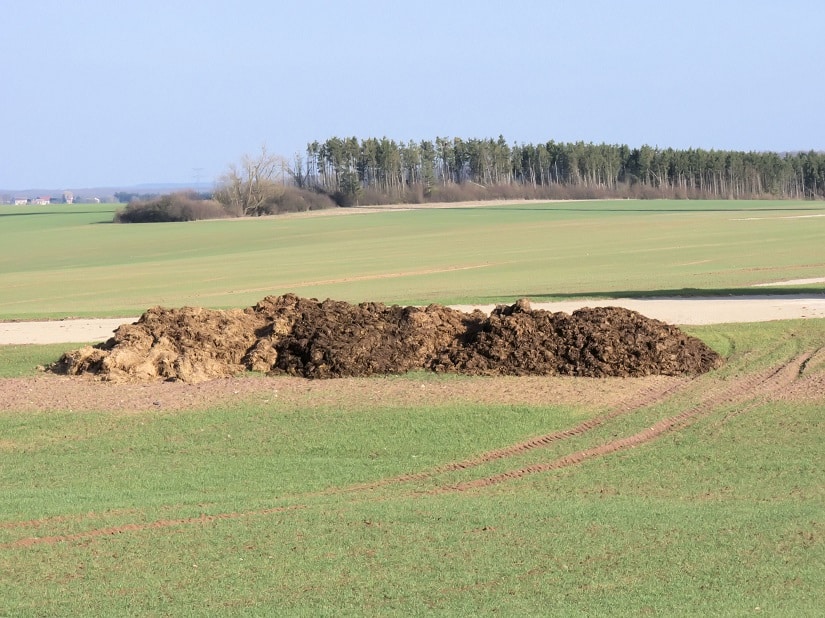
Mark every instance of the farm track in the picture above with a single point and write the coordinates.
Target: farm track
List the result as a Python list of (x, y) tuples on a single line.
[(747, 391), (816, 358), (138, 527), (651, 396), (753, 386)]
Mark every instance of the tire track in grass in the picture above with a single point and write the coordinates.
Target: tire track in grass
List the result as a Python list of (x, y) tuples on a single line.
[(753, 386), (138, 527), (650, 396), (813, 360), (55, 519)]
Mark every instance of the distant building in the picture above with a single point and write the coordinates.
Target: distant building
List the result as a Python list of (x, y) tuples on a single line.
[(68, 197), (42, 201), (21, 201)]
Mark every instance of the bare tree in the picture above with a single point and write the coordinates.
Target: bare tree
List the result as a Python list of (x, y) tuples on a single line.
[(296, 172), (246, 188)]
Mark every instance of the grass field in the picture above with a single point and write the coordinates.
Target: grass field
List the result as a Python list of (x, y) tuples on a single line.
[(702, 498), (59, 261), (268, 507)]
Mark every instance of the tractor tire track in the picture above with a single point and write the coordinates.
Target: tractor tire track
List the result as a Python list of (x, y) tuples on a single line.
[(650, 396), (753, 386), (740, 391), (817, 357), (656, 393), (806, 361), (138, 527)]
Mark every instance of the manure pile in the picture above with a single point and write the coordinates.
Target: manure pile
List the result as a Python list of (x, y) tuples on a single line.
[(304, 337)]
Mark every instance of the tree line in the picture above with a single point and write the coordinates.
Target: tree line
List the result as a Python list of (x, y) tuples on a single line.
[(347, 172), (370, 169)]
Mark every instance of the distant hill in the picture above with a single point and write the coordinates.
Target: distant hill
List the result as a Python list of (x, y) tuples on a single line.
[(105, 193)]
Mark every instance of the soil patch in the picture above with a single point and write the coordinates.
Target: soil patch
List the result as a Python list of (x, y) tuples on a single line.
[(296, 336), (51, 392)]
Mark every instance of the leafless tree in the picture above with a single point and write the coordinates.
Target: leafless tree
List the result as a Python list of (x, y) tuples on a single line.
[(246, 188)]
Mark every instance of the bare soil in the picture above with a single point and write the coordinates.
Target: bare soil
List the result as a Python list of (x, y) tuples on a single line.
[(290, 335), (50, 392)]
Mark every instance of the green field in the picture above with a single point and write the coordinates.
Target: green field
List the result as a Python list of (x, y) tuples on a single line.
[(267, 507), (59, 261), (348, 498)]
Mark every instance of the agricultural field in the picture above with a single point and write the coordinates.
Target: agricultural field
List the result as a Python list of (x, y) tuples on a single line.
[(59, 261), (419, 493)]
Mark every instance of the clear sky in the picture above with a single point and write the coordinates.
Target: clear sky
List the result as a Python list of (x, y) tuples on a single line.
[(96, 92)]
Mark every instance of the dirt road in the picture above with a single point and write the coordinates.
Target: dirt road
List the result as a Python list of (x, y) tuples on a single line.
[(680, 311)]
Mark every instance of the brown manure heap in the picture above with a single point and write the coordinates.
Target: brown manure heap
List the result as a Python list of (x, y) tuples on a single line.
[(304, 337)]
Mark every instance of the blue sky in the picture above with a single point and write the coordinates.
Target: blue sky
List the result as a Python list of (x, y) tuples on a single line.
[(103, 93)]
